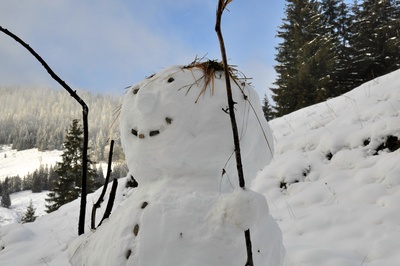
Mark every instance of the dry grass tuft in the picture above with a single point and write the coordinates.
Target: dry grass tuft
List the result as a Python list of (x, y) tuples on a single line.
[(212, 69)]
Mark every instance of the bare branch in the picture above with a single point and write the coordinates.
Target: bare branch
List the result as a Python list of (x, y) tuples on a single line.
[(103, 192), (221, 7), (85, 111), (110, 202)]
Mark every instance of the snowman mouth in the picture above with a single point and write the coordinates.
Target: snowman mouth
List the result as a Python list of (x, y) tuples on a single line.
[(150, 133)]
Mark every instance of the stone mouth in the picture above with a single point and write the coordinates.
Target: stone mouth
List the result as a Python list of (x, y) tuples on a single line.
[(150, 133)]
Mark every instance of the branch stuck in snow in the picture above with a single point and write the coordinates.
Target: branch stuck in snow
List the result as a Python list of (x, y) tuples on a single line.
[(85, 111), (103, 192), (222, 4)]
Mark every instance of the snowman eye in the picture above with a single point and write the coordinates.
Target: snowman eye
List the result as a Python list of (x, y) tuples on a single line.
[(170, 80), (135, 90)]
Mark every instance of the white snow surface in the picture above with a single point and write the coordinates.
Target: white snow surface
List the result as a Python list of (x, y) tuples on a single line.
[(19, 204), (13, 162), (341, 210)]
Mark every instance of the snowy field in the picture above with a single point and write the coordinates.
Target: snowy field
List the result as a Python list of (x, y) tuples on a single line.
[(13, 162), (332, 187)]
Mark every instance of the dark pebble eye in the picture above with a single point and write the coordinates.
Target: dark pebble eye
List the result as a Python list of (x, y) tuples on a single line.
[(135, 91), (168, 120), (134, 132), (171, 79)]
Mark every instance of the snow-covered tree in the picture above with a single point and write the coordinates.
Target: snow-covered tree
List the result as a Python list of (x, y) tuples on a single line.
[(337, 22), (5, 199), (37, 178), (306, 57), (68, 186), (376, 38), (44, 113), (5, 194), (29, 215), (268, 111)]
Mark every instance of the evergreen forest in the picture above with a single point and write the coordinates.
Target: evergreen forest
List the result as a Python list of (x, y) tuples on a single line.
[(329, 47), (36, 117)]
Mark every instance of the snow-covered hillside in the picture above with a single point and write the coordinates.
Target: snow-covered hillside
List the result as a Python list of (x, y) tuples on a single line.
[(333, 187), (19, 204), (334, 183), (13, 162)]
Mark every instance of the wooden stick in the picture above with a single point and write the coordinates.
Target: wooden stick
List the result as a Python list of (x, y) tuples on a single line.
[(221, 7), (110, 202), (85, 112), (103, 192)]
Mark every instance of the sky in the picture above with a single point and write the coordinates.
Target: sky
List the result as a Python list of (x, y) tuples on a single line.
[(104, 46)]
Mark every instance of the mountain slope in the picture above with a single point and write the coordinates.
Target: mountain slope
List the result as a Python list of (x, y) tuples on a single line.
[(334, 182)]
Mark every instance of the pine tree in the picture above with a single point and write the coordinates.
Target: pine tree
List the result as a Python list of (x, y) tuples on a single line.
[(306, 58), (5, 195), (337, 22), (27, 182), (267, 109), (67, 187), (316, 59), (285, 93), (29, 215), (37, 181), (52, 177), (376, 39), (5, 199), (16, 184)]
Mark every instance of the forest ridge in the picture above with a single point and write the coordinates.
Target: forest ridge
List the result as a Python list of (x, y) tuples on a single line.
[(329, 47), (37, 117)]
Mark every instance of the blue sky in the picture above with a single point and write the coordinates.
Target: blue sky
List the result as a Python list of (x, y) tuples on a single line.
[(104, 46)]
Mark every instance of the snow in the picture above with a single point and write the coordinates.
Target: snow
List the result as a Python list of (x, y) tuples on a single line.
[(19, 203), (194, 214), (338, 204), (342, 211), (13, 162)]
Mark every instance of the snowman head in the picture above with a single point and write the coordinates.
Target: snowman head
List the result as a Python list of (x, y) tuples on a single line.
[(175, 124)]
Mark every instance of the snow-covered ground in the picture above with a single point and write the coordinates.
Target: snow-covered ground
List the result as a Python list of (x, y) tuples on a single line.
[(333, 187), (19, 204), (13, 162), (339, 165)]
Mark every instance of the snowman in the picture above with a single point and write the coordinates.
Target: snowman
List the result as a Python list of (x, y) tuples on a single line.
[(188, 208)]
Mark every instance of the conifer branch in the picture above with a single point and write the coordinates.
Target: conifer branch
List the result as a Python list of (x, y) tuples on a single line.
[(85, 112), (222, 4)]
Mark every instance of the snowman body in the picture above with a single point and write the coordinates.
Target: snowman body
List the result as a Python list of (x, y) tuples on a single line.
[(187, 209)]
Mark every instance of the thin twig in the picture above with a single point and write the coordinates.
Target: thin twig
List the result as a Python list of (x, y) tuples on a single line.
[(85, 111), (221, 7)]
